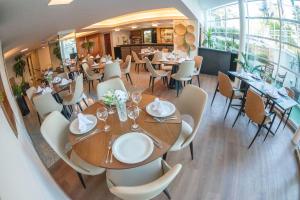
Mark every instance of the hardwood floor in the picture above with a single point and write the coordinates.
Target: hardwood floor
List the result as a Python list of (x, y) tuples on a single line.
[(223, 168)]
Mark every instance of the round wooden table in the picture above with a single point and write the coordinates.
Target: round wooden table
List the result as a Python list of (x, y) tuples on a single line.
[(94, 149)]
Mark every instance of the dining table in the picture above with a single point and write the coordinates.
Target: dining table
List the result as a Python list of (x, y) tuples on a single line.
[(94, 149), (284, 102)]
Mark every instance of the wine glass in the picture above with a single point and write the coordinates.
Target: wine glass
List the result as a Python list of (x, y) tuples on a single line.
[(136, 97), (102, 115), (133, 113)]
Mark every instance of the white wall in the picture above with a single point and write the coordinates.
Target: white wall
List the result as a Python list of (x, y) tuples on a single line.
[(22, 174)]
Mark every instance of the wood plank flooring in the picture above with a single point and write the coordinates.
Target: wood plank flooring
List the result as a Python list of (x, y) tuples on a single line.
[(223, 167)]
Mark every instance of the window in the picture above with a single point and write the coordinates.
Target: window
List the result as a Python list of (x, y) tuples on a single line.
[(272, 36), (224, 27)]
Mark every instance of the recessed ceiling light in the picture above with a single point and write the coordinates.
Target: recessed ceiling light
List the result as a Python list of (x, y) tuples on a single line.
[(117, 29), (154, 24), (59, 2), (133, 27), (23, 50)]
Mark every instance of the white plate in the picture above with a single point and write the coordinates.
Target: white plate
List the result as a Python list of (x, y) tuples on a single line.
[(58, 79), (132, 148), (168, 106), (283, 92), (75, 129)]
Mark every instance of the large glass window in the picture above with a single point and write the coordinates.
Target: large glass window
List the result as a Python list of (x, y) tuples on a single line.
[(224, 28), (272, 36)]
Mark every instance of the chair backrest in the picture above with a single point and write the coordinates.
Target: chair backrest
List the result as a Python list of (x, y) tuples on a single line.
[(155, 183), (225, 86), (55, 130), (157, 56), (290, 92), (254, 107), (135, 56), (78, 89), (151, 68), (165, 50), (112, 70), (192, 102), (86, 69), (186, 69), (198, 62), (30, 92), (111, 84), (127, 63), (45, 104)]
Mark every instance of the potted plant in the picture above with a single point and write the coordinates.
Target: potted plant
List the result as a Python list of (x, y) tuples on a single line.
[(19, 68), (208, 41), (87, 45), (244, 63), (18, 92)]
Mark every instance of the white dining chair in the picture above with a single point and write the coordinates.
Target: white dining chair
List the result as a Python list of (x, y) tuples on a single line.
[(191, 102), (30, 92), (111, 84), (184, 74), (112, 70), (137, 62), (156, 59), (156, 74), (77, 96), (45, 104), (126, 68), (144, 182), (55, 130), (90, 75), (198, 65)]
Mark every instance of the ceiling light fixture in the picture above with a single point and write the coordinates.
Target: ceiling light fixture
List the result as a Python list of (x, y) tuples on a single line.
[(133, 27), (59, 2), (23, 50), (117, 29)]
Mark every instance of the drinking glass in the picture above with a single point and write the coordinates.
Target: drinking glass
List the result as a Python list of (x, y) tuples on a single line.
[(133, 113), (136, 97), (102, 115)]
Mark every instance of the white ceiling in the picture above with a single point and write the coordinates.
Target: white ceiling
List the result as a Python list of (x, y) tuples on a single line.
[(26, 23)]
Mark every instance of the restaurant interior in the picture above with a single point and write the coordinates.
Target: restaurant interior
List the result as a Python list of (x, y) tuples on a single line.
[(136, 100)]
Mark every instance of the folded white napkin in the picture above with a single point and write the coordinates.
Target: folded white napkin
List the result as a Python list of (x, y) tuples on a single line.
[(158, 107), (64, 81), (83, 122), (47, 90), (109, 62), (97, 56), (56, 79), (84, 61), (181, 60), (103, 60), (39, 89)]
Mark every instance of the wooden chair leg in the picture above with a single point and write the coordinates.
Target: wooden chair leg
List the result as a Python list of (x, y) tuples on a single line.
[(287, 119), (166, 192), (129, 78), (81, 180), (192, 150), (89, 86), (259, 128), (198, 78), (150, 80), (214, 94), (85, 102), (228, 107), (165, 156), (153, 79), (79, 106)]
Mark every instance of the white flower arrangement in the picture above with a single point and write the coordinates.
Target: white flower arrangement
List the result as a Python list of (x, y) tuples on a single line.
[(115, 97)]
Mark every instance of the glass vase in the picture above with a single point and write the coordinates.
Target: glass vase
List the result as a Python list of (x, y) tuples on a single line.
[(122, 113)]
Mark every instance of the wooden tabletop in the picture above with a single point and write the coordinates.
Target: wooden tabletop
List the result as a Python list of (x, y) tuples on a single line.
[(94, 149)]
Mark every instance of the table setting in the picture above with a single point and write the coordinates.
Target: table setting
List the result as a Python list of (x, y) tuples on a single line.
[(119, 143)]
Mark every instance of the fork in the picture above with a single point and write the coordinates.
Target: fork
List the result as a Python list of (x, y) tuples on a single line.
[(109, 148), (164, 119)]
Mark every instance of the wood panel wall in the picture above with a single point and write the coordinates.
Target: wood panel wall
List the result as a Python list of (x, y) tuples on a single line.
[(97, 49)]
